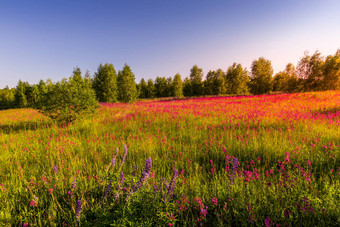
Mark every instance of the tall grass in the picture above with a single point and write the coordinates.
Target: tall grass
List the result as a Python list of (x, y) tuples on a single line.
[(258, 160)]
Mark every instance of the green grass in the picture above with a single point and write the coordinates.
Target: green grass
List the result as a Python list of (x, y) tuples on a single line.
[(294, 136)]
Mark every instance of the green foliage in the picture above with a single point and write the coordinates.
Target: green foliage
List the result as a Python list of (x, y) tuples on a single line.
[(161, 87), (7, 98), (127, 90), (169, 87), (33, 95), (237, 79), (196, 82), (187, 88), (261, 76), (69, 100), (143, 89), (331, 80), (20, 96), (286, 81), (177, 86), (105, 83), (151, 89), (310, 71), (215, 84)]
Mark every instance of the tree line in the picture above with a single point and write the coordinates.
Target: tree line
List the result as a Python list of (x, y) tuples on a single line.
[(313, 72)]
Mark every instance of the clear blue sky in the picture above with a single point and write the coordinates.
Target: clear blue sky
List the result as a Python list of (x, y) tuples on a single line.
[(46, 39)]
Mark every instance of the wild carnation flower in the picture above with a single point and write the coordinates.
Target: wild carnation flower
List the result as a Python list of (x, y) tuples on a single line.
[(33, 203), (214, 201)]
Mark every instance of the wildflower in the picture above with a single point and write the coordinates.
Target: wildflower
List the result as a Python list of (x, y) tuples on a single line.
[(134, 171), (108, 188), (268, 222), (124, 155), (25, 224), (172, 183), (213, 169), (286, 213), (214, 201), (50, 190), (120, 185), (145, 175), (33, 203), (74, 183), (55, 168), (78, 209), (113, 161), (309, 162), (233, 172)]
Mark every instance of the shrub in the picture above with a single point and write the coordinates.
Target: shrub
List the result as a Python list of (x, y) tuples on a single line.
[(69, 100)]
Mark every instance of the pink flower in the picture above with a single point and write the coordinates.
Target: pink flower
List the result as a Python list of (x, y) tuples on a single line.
[(25, 224), (33, 203), (214, 201), (309, 162)]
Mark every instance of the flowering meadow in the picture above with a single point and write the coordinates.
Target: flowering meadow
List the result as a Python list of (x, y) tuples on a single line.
[(269, 160)]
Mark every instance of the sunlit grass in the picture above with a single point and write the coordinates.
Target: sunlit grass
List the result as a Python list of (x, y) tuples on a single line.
[(287, 147)]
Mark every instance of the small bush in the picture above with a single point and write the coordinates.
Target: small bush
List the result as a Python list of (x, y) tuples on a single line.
[(69, 100)]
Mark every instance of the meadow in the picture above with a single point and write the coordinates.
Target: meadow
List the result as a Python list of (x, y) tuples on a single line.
[(268, 160)]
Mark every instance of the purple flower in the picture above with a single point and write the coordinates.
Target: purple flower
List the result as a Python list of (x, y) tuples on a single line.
[(113, 161), (134, 171), (55, 168), (268, 222), (78, 209), (233, 171), (121, 181), (145, 175), (74, 183), (172, 183), (124, 155), (108, 188), (120, 185), (286, 213)]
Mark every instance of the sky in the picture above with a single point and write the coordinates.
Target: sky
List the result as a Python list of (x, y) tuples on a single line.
[(46, 39)]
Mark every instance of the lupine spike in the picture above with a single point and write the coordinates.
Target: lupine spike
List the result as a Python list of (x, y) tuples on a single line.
[(124, 155), (113, 161), (55, 168), (172, 183), (78, 209), (74, 183), (108, 188), (145, 175), (234, 170)]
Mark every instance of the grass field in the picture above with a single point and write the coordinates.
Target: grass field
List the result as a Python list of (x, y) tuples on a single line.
[(259, 160)]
